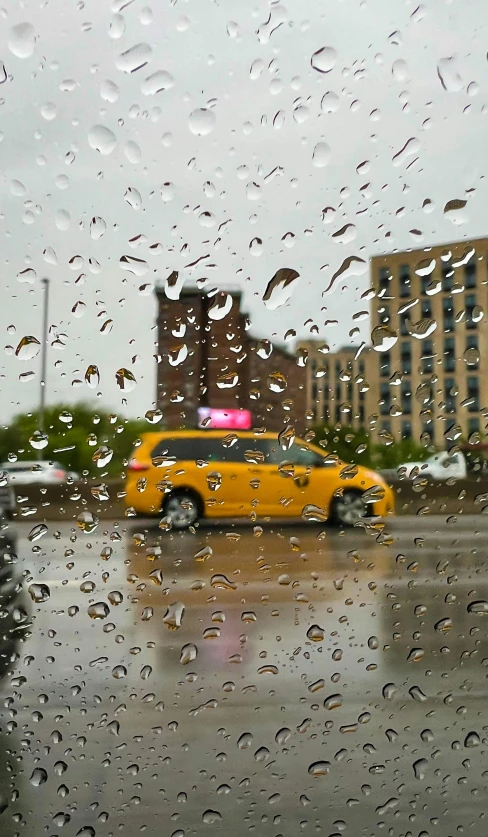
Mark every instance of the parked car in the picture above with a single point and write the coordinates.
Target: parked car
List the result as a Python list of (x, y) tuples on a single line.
[(440, 466), (14, 610), (189, 474), (24, 472)]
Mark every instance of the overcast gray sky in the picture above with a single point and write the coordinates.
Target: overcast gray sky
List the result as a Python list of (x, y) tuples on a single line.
[(248, 179)]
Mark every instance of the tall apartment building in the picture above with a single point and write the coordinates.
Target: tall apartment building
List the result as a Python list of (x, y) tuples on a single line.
[(337, 384), (207, 358), (431, 306)]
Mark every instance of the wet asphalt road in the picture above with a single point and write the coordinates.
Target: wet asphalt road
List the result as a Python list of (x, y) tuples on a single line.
[(379, 727)]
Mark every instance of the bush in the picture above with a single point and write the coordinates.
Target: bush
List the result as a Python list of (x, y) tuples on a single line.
[(68, 439)]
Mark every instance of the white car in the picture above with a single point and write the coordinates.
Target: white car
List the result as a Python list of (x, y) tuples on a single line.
[(440, 466), (26, 472)]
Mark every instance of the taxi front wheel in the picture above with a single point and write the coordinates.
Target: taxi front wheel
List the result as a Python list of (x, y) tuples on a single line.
[(348, 509), (182, 509)]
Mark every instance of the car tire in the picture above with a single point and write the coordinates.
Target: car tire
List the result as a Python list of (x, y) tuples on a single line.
[(182, 508), (348, 509)]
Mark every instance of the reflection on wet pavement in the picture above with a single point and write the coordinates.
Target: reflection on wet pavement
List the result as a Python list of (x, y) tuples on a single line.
[(269, 680)]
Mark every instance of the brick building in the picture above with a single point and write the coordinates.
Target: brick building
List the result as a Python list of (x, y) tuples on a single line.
[(207, 358)]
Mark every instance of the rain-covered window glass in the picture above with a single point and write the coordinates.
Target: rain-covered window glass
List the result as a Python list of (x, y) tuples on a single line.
[(404, 278), (447, 277), (384, 280), (406, 429), (404, 320), (470, 274), (426, 308), (473, 394), (470, 305), (406, 357), (450, 394), (449, 354), (472, 356), (406, 397), (448, 314), (427, 359), (385, 399)]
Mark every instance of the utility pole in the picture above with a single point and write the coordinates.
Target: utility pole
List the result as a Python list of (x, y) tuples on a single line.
[(45, 326)]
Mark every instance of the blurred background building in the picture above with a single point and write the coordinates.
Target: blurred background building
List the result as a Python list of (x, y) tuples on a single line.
[(207, 358), (422, 377)]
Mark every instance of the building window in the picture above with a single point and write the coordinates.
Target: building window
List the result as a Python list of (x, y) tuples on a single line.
[(362, 413), (426, 308), (406, 429), (470, 274), (447, 314), (385, 365), (384, 313), (337, 368), (450, 395), (474, 394), (361, 367), (472, 343), (449, 354), (427, 359), (315, 393), (406, 358), (386, 425), (424, 284), (470, 305), (403, 324), (473, 426), (406, 397), (447, 277), (404, 281), (385, 399), (384, 277)]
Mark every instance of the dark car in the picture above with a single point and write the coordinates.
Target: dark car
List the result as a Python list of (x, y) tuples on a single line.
[(14, 610)]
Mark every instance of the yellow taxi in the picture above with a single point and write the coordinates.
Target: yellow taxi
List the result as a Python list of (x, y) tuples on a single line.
[(188, 474)]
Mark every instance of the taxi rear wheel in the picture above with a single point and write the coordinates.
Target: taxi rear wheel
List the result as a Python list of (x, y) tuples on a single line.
[(182, 508), (348, 509)]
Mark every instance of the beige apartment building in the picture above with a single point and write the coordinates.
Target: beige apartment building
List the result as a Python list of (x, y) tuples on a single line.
[(429, 313), (336, 384), (426, 371)]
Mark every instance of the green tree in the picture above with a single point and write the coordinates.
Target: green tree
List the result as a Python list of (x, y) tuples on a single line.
[(74, 433), (347, 443)]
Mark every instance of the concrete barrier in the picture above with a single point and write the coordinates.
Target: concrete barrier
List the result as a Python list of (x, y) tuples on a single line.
[(66, 502)]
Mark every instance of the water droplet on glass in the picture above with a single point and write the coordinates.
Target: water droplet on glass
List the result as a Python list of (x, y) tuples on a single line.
[(134, 59), (321, 155), (119, 672), (472, 740), (155, 83), (210, 817), (174, 615), (98, 610), (316, 633), (188, 653), (417, 694), (383, 338), (92, 376), (38, 777), (38, 440), (449, 76), (324, 60), (319, 768), (201, 121), (37, 532), (22, 40), (480, 607), (280, 288), (39, 592), (102, 139), (102, 456), (333, 702), (28, 348), (389, 691), (125, 379), (221, 581)]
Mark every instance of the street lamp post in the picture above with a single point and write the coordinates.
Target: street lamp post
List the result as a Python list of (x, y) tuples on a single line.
[(45, 321)]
